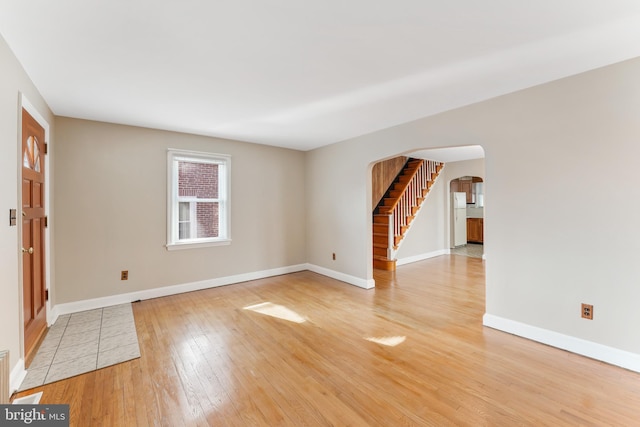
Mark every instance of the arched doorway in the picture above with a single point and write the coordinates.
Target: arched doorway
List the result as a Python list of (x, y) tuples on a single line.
[(467, 216), (431, 235)]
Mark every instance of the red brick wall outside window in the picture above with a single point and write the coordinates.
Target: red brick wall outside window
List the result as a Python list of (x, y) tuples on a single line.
[(200, 181)]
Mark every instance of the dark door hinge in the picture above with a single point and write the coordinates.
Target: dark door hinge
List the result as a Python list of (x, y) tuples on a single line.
[(46, 148), (46, 221), (46, 295)]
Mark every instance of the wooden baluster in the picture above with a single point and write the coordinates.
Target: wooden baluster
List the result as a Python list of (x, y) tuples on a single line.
[(390, 227)]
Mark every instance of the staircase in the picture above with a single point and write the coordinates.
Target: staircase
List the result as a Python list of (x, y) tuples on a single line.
[(399, 206)]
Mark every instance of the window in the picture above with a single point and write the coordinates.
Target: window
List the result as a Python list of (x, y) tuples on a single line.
[(198, 199)]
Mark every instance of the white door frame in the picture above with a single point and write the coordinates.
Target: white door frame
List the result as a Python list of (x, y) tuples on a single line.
[(31, 109)]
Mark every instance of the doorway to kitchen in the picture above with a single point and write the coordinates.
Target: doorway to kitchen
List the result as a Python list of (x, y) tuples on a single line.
[(467, 216)]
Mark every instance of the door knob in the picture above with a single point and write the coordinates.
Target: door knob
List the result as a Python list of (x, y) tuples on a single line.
[(30, 250)]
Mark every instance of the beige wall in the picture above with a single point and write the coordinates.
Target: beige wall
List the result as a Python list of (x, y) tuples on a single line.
[(13, 82), (110, 207), (560, 163)]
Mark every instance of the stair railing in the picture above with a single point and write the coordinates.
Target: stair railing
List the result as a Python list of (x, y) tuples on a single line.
[(401, 211)]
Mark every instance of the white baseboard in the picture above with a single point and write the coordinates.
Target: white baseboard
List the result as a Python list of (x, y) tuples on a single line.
[(18, 373), (352, 280), (52, 315), (91, 304), (590, 349), (416, 258)]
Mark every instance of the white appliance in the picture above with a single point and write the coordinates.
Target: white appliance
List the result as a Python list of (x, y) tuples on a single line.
[(459, 218)]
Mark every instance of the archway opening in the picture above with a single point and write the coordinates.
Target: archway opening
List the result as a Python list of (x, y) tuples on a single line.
[(431, 228)]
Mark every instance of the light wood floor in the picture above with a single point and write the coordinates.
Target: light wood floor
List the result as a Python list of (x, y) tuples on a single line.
[(208, 361)]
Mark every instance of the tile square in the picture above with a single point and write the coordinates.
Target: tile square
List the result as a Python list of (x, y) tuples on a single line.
[(43, 359), (76, 339), (75, 352), (55, 334), (121, 308), (117, 318), (49, 343), (117, 329), (118, 355), (78, 328), (85, 316), (108, 343), (61, 321), (34, 378), (71, 368)]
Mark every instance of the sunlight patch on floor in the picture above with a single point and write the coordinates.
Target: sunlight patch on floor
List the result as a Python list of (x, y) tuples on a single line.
[(275, 310), (388, 341)]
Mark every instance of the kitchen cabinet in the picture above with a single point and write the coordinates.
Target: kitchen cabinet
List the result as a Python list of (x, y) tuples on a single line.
[(463, 186), (475, 230), (466, 187)]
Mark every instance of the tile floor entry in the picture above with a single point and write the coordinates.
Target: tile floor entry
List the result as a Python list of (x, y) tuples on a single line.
[(82, 342), (473, 250)]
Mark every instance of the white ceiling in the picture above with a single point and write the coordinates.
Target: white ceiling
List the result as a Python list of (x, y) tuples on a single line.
[(302, 74)]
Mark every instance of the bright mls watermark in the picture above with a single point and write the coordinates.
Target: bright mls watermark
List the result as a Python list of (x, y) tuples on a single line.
[(34, 415)]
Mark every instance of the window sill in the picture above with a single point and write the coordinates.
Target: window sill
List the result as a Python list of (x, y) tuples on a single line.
[(195, 245)]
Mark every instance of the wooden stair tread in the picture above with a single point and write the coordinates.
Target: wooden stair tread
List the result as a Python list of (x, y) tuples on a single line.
[(384, 258), (384, 264), (380, 216)]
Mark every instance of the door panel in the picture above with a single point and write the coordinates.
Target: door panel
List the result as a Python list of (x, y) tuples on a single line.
[(26, 194), (33, 244), (38, 264), (27, 276), (37, 195)]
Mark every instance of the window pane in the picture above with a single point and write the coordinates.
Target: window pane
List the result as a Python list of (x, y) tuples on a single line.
[(184, 230), (36, 155), (207, 215), (185, 211), (198, 180)]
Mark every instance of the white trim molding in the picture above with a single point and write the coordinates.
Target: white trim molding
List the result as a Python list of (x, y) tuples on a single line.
[(33, 111), (223, 198), (421, 257), (590, 349), (352, 280), (18, 373), (90, 304)]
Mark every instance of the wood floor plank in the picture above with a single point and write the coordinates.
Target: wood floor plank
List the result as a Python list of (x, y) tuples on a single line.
[(206, 360)]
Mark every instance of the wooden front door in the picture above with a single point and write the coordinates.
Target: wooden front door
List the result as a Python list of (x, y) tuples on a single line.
[(33, 224)]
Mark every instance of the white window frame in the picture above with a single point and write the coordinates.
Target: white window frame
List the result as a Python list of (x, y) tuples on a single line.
[(224, 174)]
